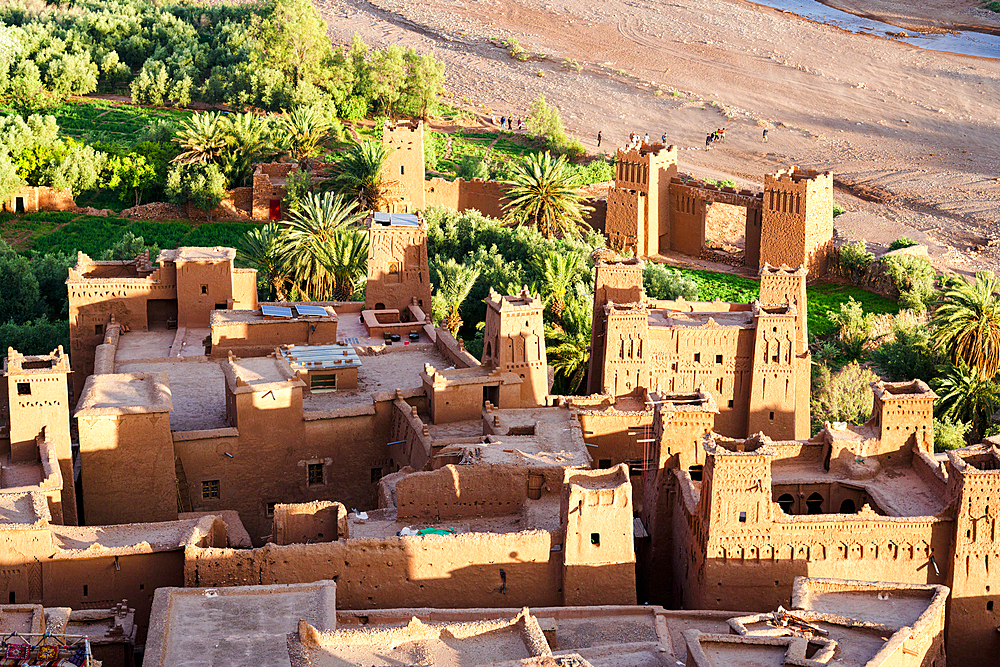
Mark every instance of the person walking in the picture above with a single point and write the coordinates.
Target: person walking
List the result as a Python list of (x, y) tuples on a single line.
[(503, 119), (764, 136), (663, 139), (598, 138), (645, 139), (520, 124), (708, 141)]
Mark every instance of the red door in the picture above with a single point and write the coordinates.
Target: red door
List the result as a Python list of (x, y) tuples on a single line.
[(275, 213)]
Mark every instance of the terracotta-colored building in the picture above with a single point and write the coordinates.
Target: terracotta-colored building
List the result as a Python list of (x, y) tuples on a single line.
[(751, 357), (651, 210), (33, 199)]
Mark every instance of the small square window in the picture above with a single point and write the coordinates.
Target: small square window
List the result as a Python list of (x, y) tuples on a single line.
[(730, 402), (743, 517), (595, 539), (270, 509), (210, 489), (771, 417), (697, 357), (376, 475), (718, 358), (24, 389), (604, 464), (204, 289), (315, 473), (98, 329), (394, 268)]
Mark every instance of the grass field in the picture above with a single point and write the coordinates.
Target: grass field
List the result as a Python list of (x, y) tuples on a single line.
[(823, 298), (106, 120), (68, 232)]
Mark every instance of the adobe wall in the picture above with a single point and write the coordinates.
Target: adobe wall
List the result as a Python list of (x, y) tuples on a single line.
[(413, 436), (487, 197), (405, 162), (117, 450), (259, 338), (95, 583), (618, 281), (625, 221), (687, 222), (797, 220), (433, 571), (452, 350), (43, 198), (455, 492), (265, 189), (398, 270), (302, 523)]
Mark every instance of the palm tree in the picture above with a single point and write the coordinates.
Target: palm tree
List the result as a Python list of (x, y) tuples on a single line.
[(263, 248), (344, 256), (568, 346), (966, 396), (359, 175), (966, 324), (248, 141), (306, 128), (454, 282), (543, 193), (559, 271), (310, 230), (202, 138)]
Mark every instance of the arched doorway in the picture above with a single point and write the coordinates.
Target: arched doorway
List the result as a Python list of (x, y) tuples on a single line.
[(814, 504), (848, 507), (787, 502)]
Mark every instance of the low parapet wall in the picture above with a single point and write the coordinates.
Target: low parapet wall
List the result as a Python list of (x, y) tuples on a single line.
[(453, 350)]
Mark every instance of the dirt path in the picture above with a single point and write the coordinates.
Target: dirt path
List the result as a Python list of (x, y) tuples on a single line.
[(911, 135)]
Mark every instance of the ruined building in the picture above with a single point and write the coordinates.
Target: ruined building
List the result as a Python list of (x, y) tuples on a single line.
[(652, 210), (753, 358)]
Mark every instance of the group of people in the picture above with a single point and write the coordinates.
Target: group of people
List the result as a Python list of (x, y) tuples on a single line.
[(508, 123), (718, 135)]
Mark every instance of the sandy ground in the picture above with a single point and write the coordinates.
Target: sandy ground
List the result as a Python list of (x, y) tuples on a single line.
[(910, 134), (925, 16)]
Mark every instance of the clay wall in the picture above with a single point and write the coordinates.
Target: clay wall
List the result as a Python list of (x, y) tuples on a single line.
[(34, 199), (261, 337), (268, 185), (398, 271), (306, 523), (779, 393), (452, 350), (718, 358), (514, 342), (487, 197), (625, 224), (596, 516), (903, 414), (42, 411), (620, 282), (454, 401), (434, 571), (627, 350), (454, 492), (201, 288), (797, 220), (104, 354), (687, 221), (405, 163), (117, 450), (413, 436), (102, 582), (94, 302)]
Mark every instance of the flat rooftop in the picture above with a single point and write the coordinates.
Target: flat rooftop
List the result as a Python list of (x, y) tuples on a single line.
[(669, 318), (198, 390), (129, 537), (197, 254), (244, 626), (23, 509), (145, 345), (395, 219), (320, 357), (256, 317), (535, 437), (138, 391), (899, 492), (541, 514), (398, 369)]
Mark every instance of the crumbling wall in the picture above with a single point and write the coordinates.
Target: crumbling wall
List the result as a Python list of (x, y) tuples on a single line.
[(466, 570), (411, 434), (304, 523)]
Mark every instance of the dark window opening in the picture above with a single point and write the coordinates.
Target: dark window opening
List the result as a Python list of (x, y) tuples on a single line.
[(603, 464), (848, 507), (595, 539), (142, 587), (19, 205), (269, 509), (743, 517), (315, 473), (718, 358), (989, 605), (730, 402), (98, 329), (771, 417), (210, 489), (85, 590), (12, 598), (695, 472), (786, 502), (204, 289), (24, 389), (814, 504), (697, 357), (376, 475), (420, 302), (221, 306)]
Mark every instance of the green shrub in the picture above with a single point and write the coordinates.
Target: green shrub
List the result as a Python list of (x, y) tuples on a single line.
[(838, 209), (913, 277), (950, 434), (902, 242), (910, 355), (40, 336), (855, 328), (854, 261), (596, 171), (470, 167), (662, 283), (842, 396)]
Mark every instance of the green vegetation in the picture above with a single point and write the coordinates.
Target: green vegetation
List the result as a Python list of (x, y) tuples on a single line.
[(543, 193), (992, 5), (902, 242)]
